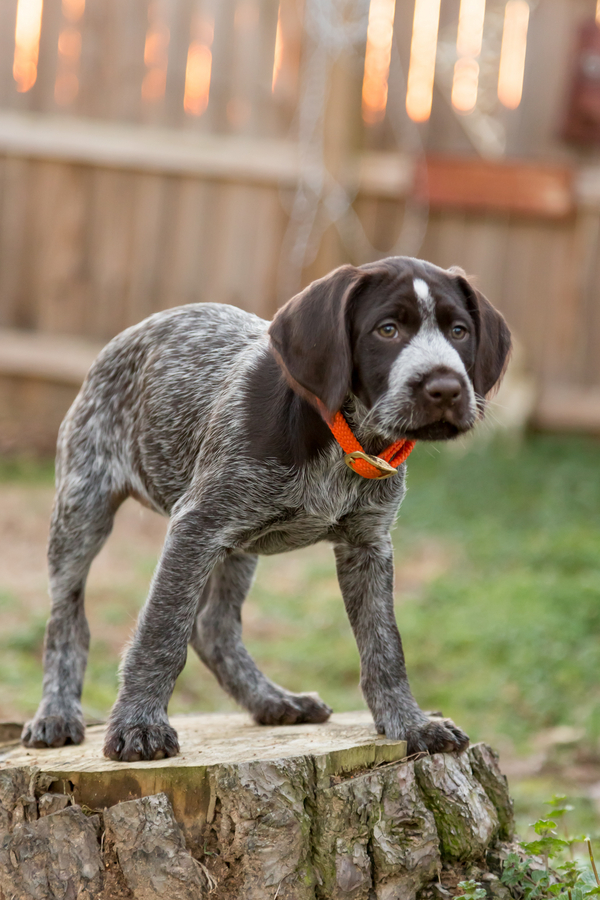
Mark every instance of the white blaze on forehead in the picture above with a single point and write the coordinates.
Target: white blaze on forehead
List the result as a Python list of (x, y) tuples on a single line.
[(426, 301)]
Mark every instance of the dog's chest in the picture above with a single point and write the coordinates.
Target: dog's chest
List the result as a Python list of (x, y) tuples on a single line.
[(299, 531), (318, 509)]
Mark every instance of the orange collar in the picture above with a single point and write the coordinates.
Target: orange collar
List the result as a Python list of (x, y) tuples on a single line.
[(382, 466)]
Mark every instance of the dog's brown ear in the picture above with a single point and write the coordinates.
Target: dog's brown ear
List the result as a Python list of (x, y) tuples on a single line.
[(493, 336), (311, 337)]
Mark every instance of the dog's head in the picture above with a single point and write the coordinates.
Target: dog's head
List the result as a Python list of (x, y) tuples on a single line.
[(417, 345)]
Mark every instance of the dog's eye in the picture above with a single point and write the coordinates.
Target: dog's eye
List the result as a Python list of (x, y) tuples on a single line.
[(387, 330), (459, 332)]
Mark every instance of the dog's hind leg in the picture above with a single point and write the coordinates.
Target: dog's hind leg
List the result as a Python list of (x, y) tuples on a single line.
[(217, 639), (81, 521)]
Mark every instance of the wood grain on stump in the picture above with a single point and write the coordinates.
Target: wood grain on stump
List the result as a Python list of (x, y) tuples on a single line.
[(306, 812)]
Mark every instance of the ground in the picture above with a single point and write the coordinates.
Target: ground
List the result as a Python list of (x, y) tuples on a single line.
[(498, 601)]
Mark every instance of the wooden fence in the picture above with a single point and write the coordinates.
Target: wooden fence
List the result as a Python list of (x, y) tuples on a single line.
[(126, 187)]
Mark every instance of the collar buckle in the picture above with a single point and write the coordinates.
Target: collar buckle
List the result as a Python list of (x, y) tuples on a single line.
[(384, 469)]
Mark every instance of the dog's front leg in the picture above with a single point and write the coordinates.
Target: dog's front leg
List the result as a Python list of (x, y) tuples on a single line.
[(366, 577), (138, 726)]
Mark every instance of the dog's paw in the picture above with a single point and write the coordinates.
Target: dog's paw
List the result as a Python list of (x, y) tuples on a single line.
[(131, 743), (292, 709), (53, 731), (436, 735)]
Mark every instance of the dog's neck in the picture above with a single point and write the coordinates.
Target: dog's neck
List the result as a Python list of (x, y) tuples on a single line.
[(303, 414), (357, 416)]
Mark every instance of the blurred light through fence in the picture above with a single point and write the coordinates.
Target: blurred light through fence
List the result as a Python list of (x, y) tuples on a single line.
[(423, 48), (465, 84), (27, 43), (470, 27), (380, 35), (66, 86), (156, 56), (278, 55), (512, 54), (198, 68), (468, 47)]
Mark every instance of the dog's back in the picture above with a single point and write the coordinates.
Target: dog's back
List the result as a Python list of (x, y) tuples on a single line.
[(146, 405)]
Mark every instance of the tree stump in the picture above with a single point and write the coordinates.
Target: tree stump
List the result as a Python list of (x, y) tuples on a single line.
[(305, 812)]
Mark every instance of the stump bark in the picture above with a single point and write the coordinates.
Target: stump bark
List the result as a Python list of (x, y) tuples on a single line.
[(309, 812)]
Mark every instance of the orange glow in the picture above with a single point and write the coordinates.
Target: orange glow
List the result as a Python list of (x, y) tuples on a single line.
[(470, 27), (69, 44), (598, 12), (464, 85), (27, 43), (154, 84), (423, 48), (380, 34), (156, 56), (73, 10), (156, 48), (197, 78), (468, 46), (512, 54), (278, 56), (66, 86)]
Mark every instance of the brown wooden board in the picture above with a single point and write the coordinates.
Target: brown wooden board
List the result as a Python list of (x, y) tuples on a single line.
[(529, 189)]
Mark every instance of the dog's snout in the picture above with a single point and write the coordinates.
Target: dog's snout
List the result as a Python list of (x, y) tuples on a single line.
[(443, 390)]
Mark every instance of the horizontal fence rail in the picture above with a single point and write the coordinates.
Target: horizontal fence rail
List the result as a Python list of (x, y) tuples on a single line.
[(214, 157)]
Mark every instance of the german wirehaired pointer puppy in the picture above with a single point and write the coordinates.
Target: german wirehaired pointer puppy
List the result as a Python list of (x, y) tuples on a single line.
[(221, 421)]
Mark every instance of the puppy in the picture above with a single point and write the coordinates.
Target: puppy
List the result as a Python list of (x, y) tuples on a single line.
[(223, 422)]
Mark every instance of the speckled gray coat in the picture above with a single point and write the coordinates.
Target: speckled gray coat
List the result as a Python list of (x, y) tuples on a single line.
[(217, 419)]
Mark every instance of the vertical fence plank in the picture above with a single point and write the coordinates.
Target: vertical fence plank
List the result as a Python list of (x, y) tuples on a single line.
[(524, 298), (445, 244), (112, 62), (110, 251), (585, 239), (590, 318), (241, 255), (162, 30), (147, 228), (269, 230), (215, 118), (285, 92), (61, 283), (185, 263), (245, 255), (8, 17), (41, 96), (179, 22), (562, 303), (13, 236)]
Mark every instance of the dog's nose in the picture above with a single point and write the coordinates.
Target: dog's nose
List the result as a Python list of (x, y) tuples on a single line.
[(443, 390)]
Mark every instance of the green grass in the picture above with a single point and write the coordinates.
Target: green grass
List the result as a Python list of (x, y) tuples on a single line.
[(509, 638), (505, 638), (26, 470)]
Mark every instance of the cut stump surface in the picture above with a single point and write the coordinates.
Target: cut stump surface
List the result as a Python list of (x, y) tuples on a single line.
[(302, 812)]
